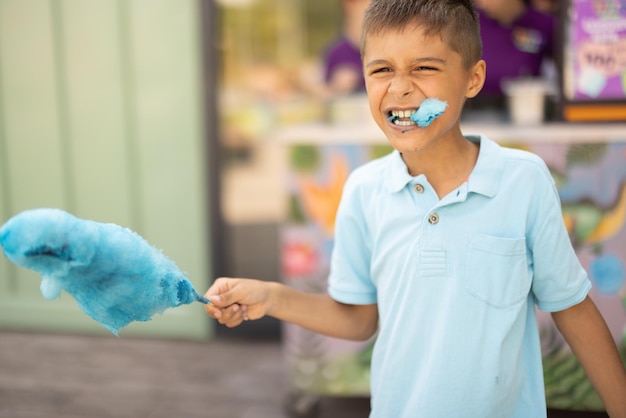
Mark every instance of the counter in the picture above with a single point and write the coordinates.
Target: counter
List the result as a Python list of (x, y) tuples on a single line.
[(367, 133)]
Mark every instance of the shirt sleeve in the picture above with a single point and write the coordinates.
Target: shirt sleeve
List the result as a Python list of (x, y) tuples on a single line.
[(559, 280), (350, 281)]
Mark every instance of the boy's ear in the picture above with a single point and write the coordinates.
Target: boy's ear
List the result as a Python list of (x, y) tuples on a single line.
[(478, 72)]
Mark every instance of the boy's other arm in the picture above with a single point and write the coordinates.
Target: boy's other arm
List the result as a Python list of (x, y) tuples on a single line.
[(588, 336), (237, 299)]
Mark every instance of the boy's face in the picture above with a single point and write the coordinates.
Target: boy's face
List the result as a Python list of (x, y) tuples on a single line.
[(402, 68)]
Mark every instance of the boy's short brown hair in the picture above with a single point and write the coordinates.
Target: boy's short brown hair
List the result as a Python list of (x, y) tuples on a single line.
[(456, 21)]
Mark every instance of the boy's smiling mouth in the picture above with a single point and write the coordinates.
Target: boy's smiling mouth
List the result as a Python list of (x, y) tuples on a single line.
[(429, 110), (402, 117)]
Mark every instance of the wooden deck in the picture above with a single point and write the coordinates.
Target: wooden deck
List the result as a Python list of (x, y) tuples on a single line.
[(69, 376), (77, 376)]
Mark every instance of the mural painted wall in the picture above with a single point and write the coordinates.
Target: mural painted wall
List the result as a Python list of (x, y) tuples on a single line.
[(591, 179)]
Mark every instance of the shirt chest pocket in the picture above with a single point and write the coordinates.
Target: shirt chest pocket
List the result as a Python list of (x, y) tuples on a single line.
[(497, 270)]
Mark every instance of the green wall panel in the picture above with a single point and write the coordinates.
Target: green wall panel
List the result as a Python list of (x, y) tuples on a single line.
[(94, 121), (35, 152), (169, 137), (7, 275), (100, 105)]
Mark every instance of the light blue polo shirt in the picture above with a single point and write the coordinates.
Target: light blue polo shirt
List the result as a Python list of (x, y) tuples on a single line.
[(456, 281)]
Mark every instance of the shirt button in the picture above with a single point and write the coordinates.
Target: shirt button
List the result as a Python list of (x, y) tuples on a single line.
[(433, 219), (419, 188)]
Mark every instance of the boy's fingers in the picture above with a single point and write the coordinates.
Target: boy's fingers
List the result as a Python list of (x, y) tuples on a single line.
[(219, 287), (232, 315), (226, 298), (222, 300), (222, 293), (215, 299), (213, 312)]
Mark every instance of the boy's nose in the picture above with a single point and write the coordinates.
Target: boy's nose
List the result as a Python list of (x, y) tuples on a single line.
[(401, 86)]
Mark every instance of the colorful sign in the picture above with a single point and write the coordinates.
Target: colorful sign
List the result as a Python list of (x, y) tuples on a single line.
[(597, 34)]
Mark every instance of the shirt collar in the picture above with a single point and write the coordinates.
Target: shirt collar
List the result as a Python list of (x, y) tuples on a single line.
[(484, 178), (397, 174)]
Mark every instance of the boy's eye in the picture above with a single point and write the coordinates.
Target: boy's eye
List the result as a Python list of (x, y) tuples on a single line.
[(381, 70)]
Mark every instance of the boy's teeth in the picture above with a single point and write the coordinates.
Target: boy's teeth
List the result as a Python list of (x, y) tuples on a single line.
[(402, 113), (398, 115)]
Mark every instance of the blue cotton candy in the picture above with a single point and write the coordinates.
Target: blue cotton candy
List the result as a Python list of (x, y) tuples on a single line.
[(429, 110), (115, 276)]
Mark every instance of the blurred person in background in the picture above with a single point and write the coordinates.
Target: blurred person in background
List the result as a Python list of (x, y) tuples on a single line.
[(343, 72), (518, 41)]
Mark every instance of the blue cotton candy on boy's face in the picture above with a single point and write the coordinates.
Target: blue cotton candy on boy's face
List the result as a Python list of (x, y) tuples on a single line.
[(115, 276), (429, 110)]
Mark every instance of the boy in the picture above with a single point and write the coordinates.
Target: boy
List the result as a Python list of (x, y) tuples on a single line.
[(444, 246)]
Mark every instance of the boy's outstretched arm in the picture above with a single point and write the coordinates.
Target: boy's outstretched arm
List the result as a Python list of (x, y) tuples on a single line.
[(588, 336), (234, 300)]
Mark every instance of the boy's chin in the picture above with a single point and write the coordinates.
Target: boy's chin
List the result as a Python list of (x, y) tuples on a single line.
[(410, 141)]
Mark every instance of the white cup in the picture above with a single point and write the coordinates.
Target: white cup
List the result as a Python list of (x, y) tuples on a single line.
[(525, 100)]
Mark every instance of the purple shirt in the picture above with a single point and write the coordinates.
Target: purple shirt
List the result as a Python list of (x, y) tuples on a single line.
[(343, 53), (517, 50)]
